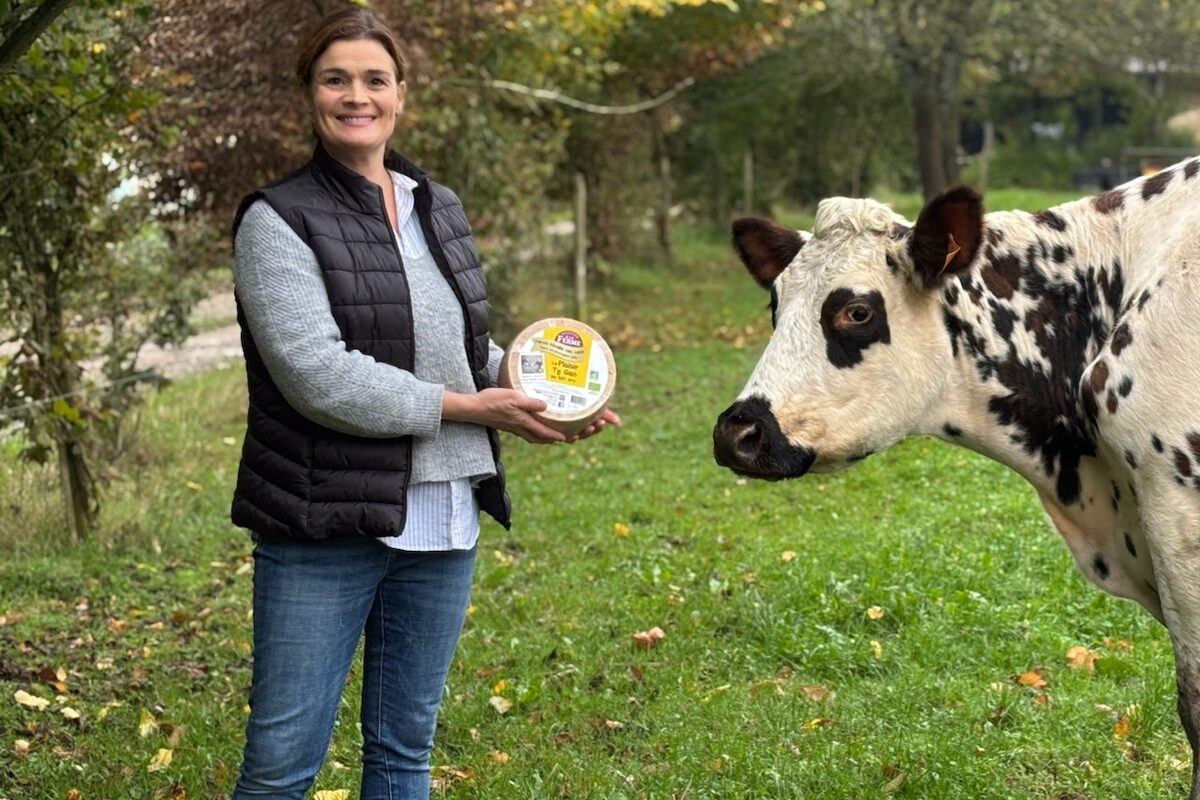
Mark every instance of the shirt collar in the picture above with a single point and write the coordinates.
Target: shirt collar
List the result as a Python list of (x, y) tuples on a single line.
[(403, 181)]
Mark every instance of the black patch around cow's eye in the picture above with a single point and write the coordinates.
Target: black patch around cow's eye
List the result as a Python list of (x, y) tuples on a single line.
[(852, 322)]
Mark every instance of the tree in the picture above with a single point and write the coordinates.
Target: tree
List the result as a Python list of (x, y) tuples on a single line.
[(70, 220), (22, 23)]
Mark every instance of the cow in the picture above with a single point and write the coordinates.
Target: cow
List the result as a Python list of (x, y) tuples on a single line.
[(1063, 343)]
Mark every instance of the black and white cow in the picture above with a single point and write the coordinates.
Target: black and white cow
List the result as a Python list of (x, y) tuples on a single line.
[(1064, 344)]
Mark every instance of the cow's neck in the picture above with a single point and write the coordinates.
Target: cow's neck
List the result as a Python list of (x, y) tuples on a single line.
[(1023, 323)]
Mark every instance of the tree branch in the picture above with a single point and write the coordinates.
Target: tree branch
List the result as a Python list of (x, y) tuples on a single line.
[(15, 45), (592, 108)]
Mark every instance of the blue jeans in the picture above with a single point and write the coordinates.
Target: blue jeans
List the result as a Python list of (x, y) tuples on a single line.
[(312, 601)]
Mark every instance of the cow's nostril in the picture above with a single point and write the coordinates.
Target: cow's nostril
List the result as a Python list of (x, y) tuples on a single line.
[(748, 442)]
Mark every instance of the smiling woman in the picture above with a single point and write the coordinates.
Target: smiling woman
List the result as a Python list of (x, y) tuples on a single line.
[(371, 442)]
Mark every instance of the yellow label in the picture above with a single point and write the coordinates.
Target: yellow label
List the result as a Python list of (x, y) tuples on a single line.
[(566, 351)]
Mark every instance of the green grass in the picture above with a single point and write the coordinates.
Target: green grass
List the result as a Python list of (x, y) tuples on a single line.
[(762, 591)]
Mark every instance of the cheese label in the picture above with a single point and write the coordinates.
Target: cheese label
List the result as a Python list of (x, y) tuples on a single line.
[(564, 366)]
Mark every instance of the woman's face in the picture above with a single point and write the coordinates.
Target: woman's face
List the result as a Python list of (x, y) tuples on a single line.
[(355, 98)]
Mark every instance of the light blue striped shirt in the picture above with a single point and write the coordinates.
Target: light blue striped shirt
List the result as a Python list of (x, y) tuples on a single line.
[(442, 515)]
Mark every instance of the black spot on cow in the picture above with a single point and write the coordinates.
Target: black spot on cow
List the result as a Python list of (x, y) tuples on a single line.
[(1129, 545), (1003, 319), (1112, 284), (1130, 460), (1193, 440), (951, 295), (1002, 276), (995, 236), (774, 305), (1099, 378), (953, 431), (1143, 298), (1183, 464), (1126, 386), (852, 322), (892, 263), (1191, 168), (1111, 403), (1061, 253), (1101, 567), (1050, 220), (1116, 496), (1109, 202), (1157, 183), (1122, 337), (1156, 443)]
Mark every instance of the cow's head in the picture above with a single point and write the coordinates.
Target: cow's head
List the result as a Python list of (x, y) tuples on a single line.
[(859, 353)]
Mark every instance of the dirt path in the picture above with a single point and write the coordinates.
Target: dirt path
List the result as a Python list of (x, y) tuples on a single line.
[(203, 351)]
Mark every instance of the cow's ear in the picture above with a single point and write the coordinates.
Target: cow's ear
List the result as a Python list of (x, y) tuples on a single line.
[(765, 247), (947, 235)]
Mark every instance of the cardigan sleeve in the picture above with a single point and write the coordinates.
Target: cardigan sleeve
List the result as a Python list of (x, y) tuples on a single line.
[(279, 285)]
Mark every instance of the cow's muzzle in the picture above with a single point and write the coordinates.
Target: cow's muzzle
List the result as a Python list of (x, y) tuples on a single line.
[(748, 440)]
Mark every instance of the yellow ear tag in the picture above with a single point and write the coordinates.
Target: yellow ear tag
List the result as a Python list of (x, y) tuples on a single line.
[(954, 250)]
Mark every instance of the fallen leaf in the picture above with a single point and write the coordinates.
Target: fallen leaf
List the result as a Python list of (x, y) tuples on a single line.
[(815, 692), (69, 712), (1032, 678), (875, 612), (787, 555), (501, 704), (1121, 727), (332, 794), (894, 784), (147, 724), (499, 686), (621, 530), (26, 699), (877, 649), (195, 487), (819, 722), (21, 747), (1041, 699), (648, 638), (161, 760), (73, 794), (1080, 657), (613, 725), (498, 756), (1116, 644)]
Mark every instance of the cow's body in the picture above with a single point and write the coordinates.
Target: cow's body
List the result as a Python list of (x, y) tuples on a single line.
[(1065, 344)]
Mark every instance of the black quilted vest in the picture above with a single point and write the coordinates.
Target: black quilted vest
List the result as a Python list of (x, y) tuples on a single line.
[(300, 479)]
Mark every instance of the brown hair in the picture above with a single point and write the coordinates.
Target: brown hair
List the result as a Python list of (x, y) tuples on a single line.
[(349, 23)]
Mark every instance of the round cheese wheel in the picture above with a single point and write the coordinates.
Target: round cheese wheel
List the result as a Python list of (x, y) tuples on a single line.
[(567, 364)]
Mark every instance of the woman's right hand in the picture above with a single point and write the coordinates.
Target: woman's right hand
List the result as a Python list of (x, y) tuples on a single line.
[(503, 409)]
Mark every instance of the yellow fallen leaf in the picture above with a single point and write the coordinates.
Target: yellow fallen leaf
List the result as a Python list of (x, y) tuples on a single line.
[(1080, 657), (614, 725), (30, 701), (1116, 644), (875, 612), (161, 760), (195, 487), (499, 686), (501, 704), (147, 724), (877, 648), (621, 530), (73, 794), (21, 747), (69, 712), (228, 440), (498, 756), (819, 722), (787, 555), (332, 794), (1121, 727)]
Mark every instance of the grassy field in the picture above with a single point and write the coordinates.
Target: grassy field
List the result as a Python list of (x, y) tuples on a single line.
[(900, 629)]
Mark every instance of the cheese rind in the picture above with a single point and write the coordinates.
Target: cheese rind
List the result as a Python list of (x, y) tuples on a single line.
[(567, 364)]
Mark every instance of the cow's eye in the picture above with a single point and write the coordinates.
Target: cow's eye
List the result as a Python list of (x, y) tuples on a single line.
[(856, 314)]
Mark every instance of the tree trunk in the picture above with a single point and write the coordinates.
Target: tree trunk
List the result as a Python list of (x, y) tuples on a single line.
[(930, 146), (662, 160), (76, 482), (748, 179)]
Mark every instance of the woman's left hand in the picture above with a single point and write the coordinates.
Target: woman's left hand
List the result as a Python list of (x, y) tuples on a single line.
[(609, 417)]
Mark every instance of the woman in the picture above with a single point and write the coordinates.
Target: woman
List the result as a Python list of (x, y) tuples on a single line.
[(371, 439)]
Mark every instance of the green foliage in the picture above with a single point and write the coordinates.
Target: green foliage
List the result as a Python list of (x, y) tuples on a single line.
[(88, 279)]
